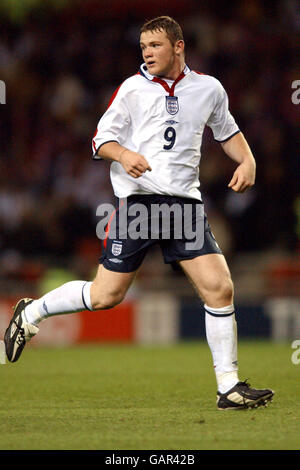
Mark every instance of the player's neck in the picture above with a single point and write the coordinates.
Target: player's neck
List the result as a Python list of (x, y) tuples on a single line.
[(174, 73)]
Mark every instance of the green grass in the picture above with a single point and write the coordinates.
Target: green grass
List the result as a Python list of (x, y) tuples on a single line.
[(132, 398)]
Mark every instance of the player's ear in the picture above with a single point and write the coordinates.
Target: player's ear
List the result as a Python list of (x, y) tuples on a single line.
[(179, 46)]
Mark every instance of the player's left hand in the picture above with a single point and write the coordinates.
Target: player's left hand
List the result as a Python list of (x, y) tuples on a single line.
[(243, 178)]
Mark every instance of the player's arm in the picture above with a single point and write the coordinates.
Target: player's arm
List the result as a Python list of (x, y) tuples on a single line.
[(238, 150), (133, 163)]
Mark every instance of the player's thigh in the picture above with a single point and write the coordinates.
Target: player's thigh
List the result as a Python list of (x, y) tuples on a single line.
[(210, 275), (109, 287)]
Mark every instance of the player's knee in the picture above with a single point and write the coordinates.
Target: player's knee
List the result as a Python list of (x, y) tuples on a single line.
[(226, 290), (103, 299), (221, 292), (108, 300), (226, 287)]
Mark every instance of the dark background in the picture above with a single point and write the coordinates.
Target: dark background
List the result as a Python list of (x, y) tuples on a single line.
[(61, 61)]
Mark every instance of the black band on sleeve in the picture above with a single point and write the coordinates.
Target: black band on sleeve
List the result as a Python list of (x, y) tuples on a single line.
[(227, 138), (95, 156)]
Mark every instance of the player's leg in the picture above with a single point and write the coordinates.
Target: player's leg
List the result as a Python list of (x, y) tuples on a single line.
[(107, 290), (120, 260), (211, 278)]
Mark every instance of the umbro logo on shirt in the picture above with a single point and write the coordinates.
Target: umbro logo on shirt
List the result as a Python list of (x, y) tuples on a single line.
[(171, 122)]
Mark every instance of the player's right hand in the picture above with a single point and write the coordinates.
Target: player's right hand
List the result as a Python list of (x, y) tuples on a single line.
[(134, 163)]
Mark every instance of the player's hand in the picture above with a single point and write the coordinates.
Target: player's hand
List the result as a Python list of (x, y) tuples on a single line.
[(243, 177), (134, 163)]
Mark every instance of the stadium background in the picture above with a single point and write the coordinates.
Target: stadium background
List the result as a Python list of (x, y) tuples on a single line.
[(60, 62)]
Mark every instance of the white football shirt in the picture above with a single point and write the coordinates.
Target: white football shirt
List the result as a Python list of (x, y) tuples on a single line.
[(164, 121)]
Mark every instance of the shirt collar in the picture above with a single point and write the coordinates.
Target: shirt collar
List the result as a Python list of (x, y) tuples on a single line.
[(146, 74)]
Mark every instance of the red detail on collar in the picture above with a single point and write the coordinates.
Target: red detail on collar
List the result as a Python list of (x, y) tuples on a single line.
[(168, 89)]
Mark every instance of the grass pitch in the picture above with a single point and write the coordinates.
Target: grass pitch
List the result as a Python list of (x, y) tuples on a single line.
[(105, 397)]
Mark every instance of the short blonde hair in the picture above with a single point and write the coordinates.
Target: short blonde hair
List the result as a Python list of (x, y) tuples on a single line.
[(167, 24)]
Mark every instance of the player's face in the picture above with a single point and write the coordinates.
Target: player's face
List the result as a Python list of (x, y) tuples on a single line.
[(161, 57)]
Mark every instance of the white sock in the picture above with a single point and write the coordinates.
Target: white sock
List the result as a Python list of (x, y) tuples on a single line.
[(221, 334), (73, 296)]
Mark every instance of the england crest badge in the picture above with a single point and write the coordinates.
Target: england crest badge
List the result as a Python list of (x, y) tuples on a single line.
[(172, 105), (116, 248)]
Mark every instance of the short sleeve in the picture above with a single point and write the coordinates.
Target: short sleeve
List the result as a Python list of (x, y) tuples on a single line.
[(221, 121), (114, 124)]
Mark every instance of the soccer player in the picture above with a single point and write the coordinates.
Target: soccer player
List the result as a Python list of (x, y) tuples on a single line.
[(151, 133)]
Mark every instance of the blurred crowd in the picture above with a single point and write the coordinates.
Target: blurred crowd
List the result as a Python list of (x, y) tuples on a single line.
[(60, 68)]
